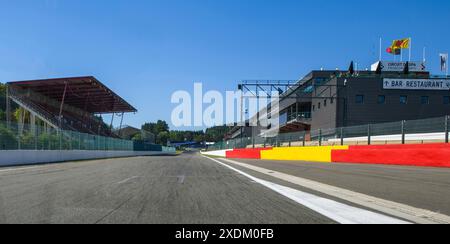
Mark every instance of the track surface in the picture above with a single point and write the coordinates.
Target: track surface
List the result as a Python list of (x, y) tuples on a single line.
[(181, 190), (426, 188), (191, 189)]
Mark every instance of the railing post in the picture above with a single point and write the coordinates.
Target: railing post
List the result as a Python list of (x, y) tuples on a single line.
[(304, 139), (446, 129), (369, 134), (320, 137), (342, 136), (403, 132), (290, 140)]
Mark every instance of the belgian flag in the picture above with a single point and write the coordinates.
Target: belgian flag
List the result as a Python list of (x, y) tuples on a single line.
[(394, 51)]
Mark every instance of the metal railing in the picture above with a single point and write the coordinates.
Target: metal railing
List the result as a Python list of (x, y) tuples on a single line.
[(433, 130)]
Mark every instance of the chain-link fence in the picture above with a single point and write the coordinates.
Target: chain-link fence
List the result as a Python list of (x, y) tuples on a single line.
[(433, 130), (16, 136)]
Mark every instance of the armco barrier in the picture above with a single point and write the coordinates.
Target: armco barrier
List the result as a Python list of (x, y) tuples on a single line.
[(249, 153), (26, 157), (312, 154), (426, 157)]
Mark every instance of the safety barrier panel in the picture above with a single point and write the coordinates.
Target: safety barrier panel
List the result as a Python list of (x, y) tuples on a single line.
[(29, 157), (424, 155), (431, 155), (312, 154), (246, 153)]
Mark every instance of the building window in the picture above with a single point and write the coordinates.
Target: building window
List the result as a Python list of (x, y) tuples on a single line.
[(381, 99), (359, 99), (314, 108), (403, 99), (325, 103), (447, 100), (424, 100)]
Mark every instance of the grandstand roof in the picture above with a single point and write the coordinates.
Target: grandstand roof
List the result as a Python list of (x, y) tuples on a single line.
[(86, 93)]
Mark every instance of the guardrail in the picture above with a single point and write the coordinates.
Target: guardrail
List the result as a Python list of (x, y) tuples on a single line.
[(433, 130)]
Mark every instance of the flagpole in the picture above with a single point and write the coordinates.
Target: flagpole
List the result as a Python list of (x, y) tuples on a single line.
[(424, 54), (380, 50), (410, 47)]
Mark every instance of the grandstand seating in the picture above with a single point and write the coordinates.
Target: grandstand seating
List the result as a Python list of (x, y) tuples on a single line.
[(72, 118)]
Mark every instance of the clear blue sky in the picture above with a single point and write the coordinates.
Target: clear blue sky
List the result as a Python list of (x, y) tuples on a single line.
[(144, 50)]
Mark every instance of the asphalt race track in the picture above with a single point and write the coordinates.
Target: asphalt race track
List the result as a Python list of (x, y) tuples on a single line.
[(192, 189)]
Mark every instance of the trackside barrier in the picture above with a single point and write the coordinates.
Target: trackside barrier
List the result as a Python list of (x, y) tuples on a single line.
[(432, 155), (432, 130), (312, 154), (246, 153), (423, 155), (29, 157)]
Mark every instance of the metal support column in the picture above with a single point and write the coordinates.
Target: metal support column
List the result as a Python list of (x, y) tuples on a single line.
[(62, 105), (112, 121), (121, 123), (369, 134), (8, 108)]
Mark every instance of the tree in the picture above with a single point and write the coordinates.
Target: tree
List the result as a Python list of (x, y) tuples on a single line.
[(161, 126), (156, 128), (216, 134), (163, 138), (137, 137)]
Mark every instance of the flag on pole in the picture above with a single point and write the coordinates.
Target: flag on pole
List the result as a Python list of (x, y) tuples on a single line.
[(401, 44), (394, 51), (444, 61)]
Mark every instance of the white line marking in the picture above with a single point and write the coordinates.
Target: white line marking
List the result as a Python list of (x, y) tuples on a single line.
[(23, 168), (336, 211), (127, 180), (415, 215), (181, 179)]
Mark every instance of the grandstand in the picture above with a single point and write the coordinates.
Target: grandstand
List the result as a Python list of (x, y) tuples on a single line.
[(74, 104)]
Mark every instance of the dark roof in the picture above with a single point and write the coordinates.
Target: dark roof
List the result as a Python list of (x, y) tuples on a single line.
[(86, 93)]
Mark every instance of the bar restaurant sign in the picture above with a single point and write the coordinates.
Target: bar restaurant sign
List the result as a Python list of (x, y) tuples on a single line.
[(416, 84)]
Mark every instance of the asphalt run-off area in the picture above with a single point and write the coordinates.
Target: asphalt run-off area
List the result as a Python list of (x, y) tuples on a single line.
[(193, 189)]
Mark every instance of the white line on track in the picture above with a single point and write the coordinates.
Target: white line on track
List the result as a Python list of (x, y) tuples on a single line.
[(409, 213), (23, 168), (127, 180), (336, 211)]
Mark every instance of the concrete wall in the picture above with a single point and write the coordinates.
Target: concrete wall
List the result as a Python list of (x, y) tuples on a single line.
[(25, 157), (220, 153)]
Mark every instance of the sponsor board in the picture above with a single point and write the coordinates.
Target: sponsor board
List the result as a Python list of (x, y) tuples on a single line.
[(417, 84), (399, 66)]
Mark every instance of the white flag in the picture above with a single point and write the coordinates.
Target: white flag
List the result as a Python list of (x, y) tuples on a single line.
[(444, 61)]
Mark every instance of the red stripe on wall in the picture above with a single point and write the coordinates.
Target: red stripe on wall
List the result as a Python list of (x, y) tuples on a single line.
[(427, 157), (250, 153), (406, 146)]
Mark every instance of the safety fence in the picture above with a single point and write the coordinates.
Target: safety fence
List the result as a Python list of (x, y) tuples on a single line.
[(22, 136), (433, 130)]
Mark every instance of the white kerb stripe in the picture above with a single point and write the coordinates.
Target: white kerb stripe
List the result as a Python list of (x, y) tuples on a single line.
[(336, 211)]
